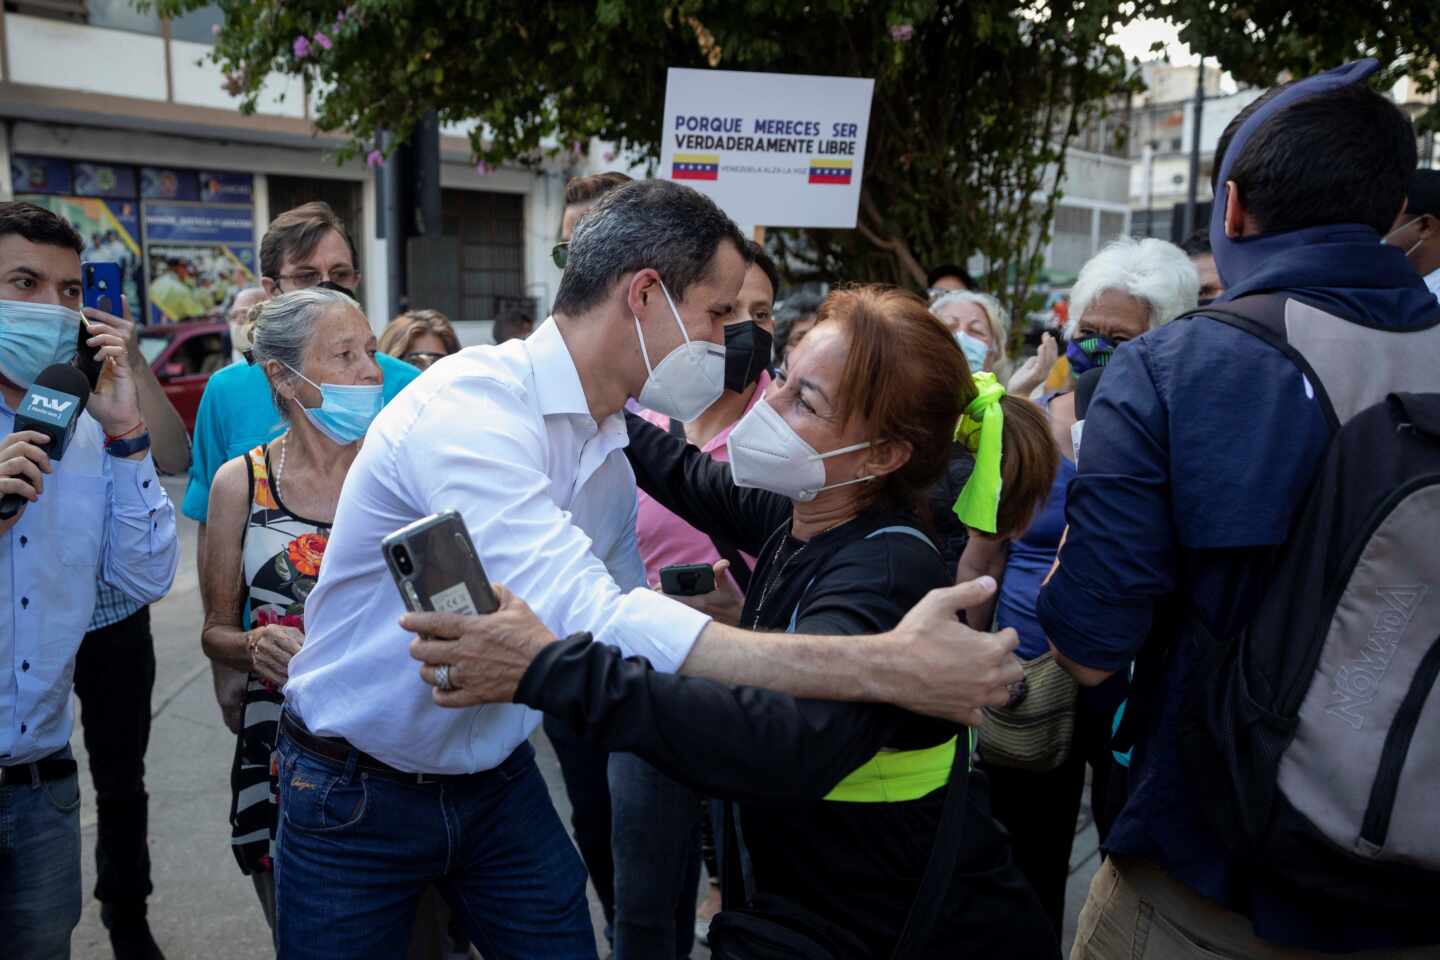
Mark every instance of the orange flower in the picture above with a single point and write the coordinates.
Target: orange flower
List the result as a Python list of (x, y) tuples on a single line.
[(305, 552)]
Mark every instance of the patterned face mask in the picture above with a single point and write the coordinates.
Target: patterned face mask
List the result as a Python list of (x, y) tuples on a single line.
[(1087, 353)]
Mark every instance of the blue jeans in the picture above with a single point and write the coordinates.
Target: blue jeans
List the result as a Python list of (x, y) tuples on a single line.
[(39, 867), (355, 851), (656, 840)]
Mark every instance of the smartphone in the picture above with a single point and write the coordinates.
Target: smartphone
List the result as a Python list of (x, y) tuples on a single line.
[(436, 568), (687, 579), (101, 283)]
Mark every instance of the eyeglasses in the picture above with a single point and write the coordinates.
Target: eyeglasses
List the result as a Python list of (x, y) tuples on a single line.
[(560, 253), (421, 360), (346, 277)]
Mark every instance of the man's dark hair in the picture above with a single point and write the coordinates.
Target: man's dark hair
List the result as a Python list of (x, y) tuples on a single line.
[(38, 225), (1198, 243), (593, 187), (1345, 156), (766, 263), (950, 270), (296, 233), (1424, 194), (508, 324), (659, 224)]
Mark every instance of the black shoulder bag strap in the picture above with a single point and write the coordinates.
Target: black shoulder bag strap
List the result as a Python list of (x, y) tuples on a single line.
[(939, 869), (739, 568)]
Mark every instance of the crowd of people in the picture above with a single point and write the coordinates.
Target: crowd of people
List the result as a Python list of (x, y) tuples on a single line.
[(932, 622)]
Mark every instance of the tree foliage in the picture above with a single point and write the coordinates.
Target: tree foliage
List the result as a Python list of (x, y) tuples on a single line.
[(1259, 41), (975, 100)]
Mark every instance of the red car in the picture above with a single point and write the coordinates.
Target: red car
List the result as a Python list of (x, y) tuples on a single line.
[(183, 356)]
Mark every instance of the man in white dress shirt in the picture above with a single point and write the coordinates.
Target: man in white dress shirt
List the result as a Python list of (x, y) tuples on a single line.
[(381, 791)]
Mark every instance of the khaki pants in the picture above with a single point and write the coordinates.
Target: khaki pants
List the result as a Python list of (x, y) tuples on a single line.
[(1136, 912)]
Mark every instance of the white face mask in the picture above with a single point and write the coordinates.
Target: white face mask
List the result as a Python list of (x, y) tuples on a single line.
[(767, 454), (688, 380)]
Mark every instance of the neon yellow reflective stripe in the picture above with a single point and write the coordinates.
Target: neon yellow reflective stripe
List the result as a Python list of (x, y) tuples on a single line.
[(899, 776)]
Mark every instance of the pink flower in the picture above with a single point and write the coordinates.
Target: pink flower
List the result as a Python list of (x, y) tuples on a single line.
[(902, 32), (302, 48), (374, 158), (609, 156), (323, 40), (214, 29), (340, 17), (484, 169)]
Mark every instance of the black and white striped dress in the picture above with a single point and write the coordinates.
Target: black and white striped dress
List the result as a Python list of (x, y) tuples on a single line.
[(281, 559)]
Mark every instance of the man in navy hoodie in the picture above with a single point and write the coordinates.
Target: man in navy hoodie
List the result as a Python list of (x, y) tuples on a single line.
[(1200, 446)]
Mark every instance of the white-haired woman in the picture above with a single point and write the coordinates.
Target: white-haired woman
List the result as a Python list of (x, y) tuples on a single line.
[(1129, 287), (270, 516), (982, 328)]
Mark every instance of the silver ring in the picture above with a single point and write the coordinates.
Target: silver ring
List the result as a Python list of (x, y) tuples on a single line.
[(442, 677)]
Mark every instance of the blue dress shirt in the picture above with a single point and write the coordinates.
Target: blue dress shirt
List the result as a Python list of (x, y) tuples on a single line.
[(99, 517)]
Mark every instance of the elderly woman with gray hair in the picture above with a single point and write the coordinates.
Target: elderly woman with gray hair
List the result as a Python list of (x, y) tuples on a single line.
[(270, 516), (982, 328), (1128, 288)]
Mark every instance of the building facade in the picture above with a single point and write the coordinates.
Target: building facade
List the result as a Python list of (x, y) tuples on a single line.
[(119, 121)]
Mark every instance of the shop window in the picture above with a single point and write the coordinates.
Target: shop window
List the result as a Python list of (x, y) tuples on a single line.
[(203, 354)]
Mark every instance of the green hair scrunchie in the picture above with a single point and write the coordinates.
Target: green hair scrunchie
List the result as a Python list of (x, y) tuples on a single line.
[(980, 429)]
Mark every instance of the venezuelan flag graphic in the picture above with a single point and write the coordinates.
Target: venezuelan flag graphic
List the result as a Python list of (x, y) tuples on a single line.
[(696, 166), (831, 171)]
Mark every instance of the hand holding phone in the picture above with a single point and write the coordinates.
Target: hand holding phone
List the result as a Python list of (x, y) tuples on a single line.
[(101, 283)]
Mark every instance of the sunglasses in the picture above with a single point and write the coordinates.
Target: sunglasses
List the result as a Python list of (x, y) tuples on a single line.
[(560, 253), (421, 360)]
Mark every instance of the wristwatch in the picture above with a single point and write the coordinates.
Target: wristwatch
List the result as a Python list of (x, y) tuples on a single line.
[(125, 448)]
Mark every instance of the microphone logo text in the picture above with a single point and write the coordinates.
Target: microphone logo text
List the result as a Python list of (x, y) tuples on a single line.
[(49, 405)]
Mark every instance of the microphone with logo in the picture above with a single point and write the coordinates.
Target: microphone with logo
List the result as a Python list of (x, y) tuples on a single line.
[(51, 406)]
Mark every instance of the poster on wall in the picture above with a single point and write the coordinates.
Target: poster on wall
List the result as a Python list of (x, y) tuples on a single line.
[(111, 231), (197, 254), (39, 175), (779, 150), (158, 183)]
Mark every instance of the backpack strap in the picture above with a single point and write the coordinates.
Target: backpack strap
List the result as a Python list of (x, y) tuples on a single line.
[(1262, 315)]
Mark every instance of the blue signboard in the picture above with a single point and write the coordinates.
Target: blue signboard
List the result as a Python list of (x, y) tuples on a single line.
[(198, 223), (104, 180), (226, 187), (158, 183), (39, 175)]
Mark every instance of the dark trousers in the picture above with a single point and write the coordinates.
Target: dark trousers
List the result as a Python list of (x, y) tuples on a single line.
[(114, 677), (1040, 810), (587, 784)]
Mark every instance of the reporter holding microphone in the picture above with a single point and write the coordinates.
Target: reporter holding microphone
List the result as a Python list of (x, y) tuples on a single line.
[(98, 511)]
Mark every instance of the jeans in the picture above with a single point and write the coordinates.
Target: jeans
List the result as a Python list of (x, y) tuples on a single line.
[(656, 840), (355, 851), (587, 784), (39, 867), (114, 676)]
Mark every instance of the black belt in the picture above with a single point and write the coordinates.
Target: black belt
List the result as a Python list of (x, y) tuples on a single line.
[(53, 767), (338, 750)]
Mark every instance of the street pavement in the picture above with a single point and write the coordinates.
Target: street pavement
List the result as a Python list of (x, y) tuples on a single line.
[(202, 906)]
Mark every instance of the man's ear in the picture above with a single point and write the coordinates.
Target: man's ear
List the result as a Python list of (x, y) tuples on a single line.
[(1235, 213), (270, 287), (643, 285)]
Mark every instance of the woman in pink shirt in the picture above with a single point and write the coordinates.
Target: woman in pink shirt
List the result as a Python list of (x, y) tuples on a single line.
[(655, 819)]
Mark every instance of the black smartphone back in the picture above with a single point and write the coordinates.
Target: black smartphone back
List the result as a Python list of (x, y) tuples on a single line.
[(687, 579)]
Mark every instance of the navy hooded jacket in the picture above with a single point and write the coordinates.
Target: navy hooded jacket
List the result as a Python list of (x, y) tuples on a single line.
[(1200, 445)]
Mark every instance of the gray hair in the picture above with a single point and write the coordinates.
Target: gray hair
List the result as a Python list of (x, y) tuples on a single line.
[(1153, 271), (665, 226), (997, 318), (791, 310), (283, 328), (233, 295)]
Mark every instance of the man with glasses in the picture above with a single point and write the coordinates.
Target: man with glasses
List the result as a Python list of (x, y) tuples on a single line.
[(582, 193), (304, 247)]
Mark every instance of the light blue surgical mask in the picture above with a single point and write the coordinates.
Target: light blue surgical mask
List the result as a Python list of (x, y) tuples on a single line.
[(33, 336), (345, 411), (976, 350)]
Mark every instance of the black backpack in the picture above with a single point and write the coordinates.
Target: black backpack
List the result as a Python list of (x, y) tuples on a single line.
[(1314, 732)]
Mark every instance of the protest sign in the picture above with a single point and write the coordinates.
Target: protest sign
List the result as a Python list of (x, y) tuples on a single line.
[(780, 150)]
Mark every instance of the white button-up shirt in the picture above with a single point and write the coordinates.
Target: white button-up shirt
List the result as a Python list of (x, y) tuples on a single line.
[(504, 436), (99, 516)]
